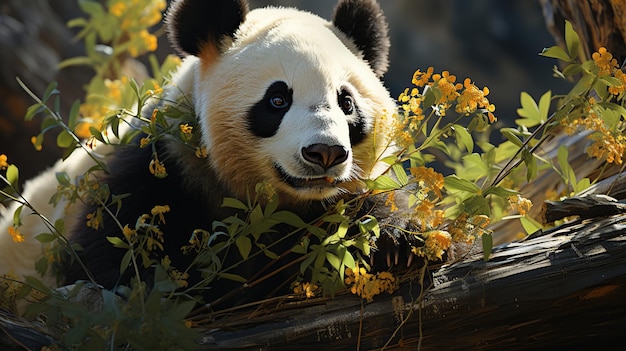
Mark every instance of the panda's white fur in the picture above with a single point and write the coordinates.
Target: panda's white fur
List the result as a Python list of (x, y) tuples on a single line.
[(18, 258), (315, 60), (323, 65)]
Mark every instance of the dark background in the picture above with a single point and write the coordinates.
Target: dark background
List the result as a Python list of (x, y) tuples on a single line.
[(495, 43)]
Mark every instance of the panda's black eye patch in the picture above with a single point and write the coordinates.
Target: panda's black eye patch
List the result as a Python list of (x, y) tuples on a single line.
[(346, 102), (356, 119), (265, 116)]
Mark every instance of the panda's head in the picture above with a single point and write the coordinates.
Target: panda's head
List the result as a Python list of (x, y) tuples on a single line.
[(284, 96)]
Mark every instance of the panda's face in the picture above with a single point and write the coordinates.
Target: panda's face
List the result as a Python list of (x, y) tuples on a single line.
[(291, 105)]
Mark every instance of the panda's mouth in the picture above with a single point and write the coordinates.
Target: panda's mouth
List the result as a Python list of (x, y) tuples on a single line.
[(309, 182)]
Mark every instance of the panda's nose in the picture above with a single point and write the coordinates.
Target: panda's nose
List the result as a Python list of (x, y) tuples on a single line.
[(324, 155)]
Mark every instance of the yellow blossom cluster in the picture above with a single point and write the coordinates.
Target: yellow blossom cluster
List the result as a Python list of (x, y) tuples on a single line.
[(94, 219), (467, 97), (608, 143), (604, 61), (10, 287), (15, 234), (464, 229), (135, 14), (473, 98), (367, 285), (436, 242), (157, 168), (307, 289), (159, 210), (608, 67), (4, 164), (521, 204)]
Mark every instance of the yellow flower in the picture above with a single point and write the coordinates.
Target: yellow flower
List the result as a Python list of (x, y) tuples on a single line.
[(35, 143), (16, 235), (157, 168), (367, 285), (160, 210), (309, 290), (472, 98), (604, 61), (436, 243), (428, 178), (447, 86), (186, 129), (391, 202), (93, 221), (3, 162), (201, 152), (521, 204), (143, 142), (420, 79), (118, 9), (128, 233), (616, 90)]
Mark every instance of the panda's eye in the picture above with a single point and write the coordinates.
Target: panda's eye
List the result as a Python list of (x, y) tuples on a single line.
[(346, 102), (278, 101)]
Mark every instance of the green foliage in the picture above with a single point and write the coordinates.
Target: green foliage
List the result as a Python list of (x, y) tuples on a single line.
[(439, 119)]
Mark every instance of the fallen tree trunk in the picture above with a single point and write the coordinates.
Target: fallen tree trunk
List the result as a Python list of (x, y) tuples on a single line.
[(561, 288), (558, 289)]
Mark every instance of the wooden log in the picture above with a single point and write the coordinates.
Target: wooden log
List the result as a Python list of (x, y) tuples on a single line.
[(563, 288), (558, 289)]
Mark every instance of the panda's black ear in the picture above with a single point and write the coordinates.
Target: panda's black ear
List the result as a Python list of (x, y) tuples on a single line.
[(194, 24), (363, 21)]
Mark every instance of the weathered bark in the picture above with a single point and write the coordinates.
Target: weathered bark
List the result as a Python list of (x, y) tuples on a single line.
[(563, 288), (598, 22), (559, 289)]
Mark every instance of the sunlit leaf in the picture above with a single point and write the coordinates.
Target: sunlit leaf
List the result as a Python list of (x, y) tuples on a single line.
[(571, 40)]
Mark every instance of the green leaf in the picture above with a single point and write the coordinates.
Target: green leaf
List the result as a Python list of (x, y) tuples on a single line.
[(125, 262), (463, 137), (244, 244), (568, 172), (73, 116), (118, 242), (234, 203), (383, 183), (400, 173), (65, 140), (556, 52), (453, 182), (63, 178), (571, 40), (77, 22), (45, 238), (333, 260), (13, 175), (96, 134), (33, 110), (90, 7), (534, 114), (530, 225), (51, 89), (487, 241), (509, 134), (17, 216), (234, 277)]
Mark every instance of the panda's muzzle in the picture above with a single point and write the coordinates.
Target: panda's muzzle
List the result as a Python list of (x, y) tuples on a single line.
[(324, 155), (318, 156)]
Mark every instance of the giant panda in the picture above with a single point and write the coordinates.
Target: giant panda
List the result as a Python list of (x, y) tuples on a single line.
[(281, 97)]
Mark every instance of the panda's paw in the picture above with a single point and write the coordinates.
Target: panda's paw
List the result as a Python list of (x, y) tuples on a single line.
[(396, 245)]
